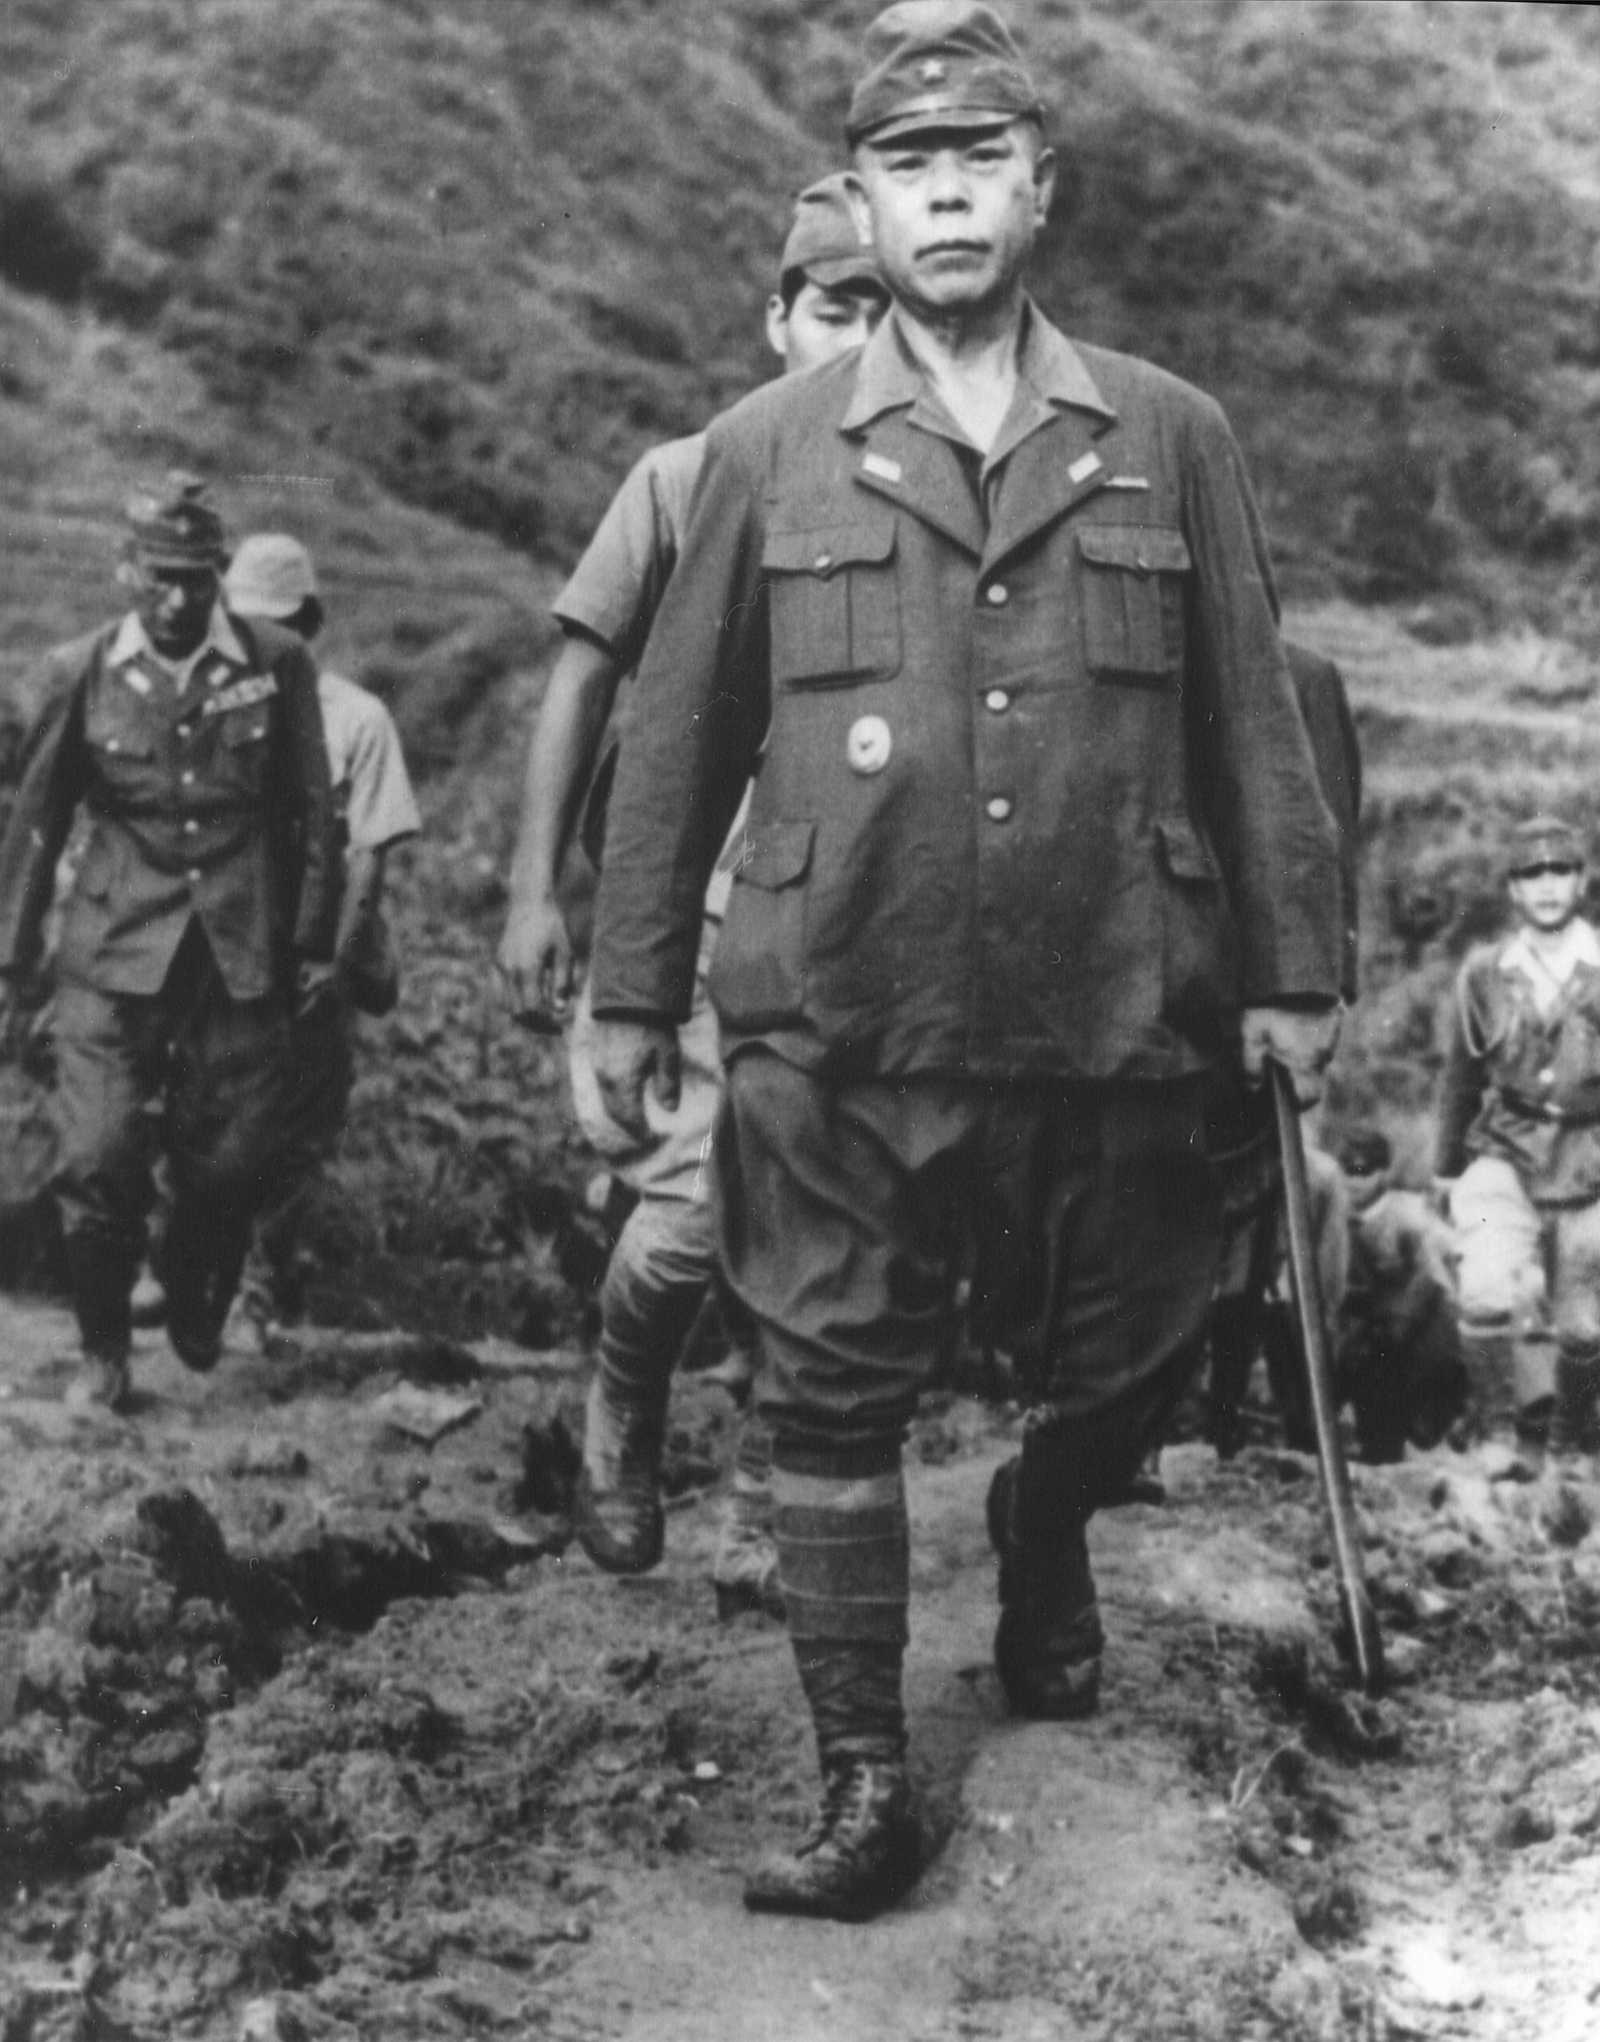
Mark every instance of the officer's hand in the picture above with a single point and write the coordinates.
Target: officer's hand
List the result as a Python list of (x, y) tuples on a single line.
[(1301, 1039), (627, 1056), (313, 984), (535, 960)]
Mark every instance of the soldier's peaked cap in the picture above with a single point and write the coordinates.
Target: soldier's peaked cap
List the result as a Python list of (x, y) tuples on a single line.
[(174, 524), (826, 240), (939, 63), (1543, 840)]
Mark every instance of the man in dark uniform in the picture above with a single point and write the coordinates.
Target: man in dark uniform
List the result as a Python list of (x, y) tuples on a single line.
[(1035, 842), (203, 909)]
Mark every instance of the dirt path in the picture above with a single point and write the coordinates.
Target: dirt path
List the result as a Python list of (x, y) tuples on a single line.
[(349, 1746)]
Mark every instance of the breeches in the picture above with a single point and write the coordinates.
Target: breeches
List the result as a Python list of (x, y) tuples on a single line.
[(1522, 1264), (1089, 1215), (187, 1071)]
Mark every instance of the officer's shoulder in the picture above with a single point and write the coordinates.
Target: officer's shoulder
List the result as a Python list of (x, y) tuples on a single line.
[(69, 660), (786, 406), (1126, 381)]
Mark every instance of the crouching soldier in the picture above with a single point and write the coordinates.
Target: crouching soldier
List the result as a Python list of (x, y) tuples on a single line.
[(1519, 1149), (202, 915)]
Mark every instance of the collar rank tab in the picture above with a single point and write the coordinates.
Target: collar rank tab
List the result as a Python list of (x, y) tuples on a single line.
[(1085, 466), (881, 466)]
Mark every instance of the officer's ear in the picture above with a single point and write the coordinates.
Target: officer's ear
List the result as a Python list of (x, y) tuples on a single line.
[(1044, 184), (855, 193), (128, 576), (778, 326)]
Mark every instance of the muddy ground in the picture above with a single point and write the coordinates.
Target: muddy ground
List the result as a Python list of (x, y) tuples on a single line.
[(312, 1728)]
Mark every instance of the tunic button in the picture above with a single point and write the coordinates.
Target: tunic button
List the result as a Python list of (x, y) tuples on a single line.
[(187, 778), (822, 562), (190, 826), (998, 594), (998, 808), (194, 875), (1547, 1077), (868, 745), (113, 744), (997, 699)]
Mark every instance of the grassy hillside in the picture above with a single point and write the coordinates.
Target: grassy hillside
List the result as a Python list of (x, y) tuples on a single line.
[(471, 255)]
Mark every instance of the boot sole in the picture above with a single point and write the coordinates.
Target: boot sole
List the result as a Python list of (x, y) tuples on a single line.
[(895, 1882)]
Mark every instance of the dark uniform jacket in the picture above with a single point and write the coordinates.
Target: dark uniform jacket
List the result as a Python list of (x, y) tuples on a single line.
[(1520, 1084), (1035, 796), (212, 803)]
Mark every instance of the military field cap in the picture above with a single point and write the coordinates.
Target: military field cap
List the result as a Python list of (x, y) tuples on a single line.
[(1364, 1152), (1545, 840), (939, 63), (269, 576), (175, 525), (826, 241)]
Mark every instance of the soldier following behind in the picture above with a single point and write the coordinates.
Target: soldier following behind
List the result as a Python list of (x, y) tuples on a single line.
[(1518, 1152), (1035, 844), (271, 576), (829, 298), (202, 917)]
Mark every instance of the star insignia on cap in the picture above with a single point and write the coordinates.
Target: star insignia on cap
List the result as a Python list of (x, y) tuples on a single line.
[(933, 72)]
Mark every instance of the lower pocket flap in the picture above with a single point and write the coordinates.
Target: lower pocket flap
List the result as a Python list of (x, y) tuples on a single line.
[(774, 854)]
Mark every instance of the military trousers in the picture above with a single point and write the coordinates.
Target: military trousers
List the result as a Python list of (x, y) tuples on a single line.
[(1088, 1214), (189, 1073)]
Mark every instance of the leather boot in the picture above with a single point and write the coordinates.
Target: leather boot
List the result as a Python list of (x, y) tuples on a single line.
[(617, 1513), (1048, 1642), (1486, 1353), (1573, 1426), (101, 1272), (201, 1262), (862, 1852)]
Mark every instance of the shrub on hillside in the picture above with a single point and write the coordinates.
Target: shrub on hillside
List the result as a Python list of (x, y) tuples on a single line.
[(45, 247)]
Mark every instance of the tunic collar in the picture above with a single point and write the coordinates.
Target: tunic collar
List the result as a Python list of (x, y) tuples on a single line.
[(889, 376), (1549, 975), (132, 647)]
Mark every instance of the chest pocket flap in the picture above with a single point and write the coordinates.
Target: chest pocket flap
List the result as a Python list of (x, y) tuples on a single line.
[(835, 603), (1132, 600)]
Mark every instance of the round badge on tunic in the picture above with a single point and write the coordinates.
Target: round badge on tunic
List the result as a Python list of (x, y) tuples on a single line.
[(868, 745)]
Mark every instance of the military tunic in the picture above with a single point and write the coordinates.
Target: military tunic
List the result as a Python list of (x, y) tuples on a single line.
[(1034, 815), (209, 870), (1036, 798)]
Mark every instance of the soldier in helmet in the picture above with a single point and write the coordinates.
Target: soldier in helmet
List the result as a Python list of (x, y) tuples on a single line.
[(1519, 1148), (1035, 843), (203, 913)]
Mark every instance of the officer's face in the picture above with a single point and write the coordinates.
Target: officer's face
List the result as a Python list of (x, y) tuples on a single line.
[(954, 213), (1547, 895), (822, 323), (174, 604)]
